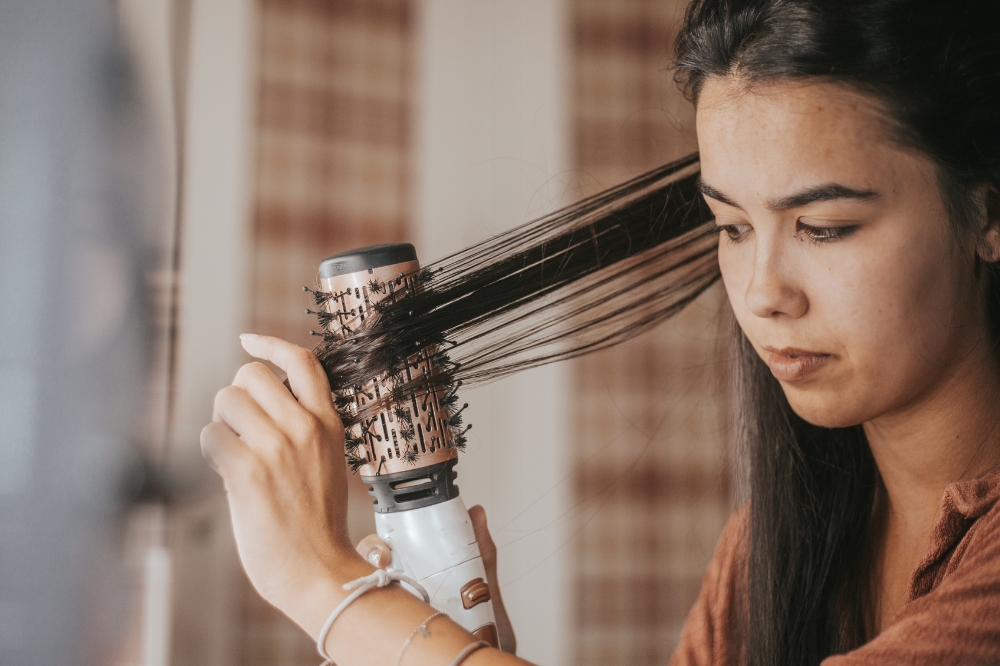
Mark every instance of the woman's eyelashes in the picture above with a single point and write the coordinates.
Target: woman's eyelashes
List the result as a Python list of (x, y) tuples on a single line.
[(738, 231), (735, 232), (824, 234)]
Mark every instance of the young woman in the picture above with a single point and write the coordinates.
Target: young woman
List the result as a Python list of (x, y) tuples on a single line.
[(850, 152)]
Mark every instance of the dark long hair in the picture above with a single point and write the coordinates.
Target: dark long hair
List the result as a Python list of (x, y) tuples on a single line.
[(609, 267), (935, 67)]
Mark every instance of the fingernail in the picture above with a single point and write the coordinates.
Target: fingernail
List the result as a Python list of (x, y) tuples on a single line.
[(374, 556), (248, 336)]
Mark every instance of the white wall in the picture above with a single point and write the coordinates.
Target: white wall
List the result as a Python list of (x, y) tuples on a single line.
[(199, 579), (492, 145), (218, 180), (214, 299)]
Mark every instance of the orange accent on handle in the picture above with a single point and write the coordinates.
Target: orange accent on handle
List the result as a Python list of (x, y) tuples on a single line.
[(474, 593), (488, 633)]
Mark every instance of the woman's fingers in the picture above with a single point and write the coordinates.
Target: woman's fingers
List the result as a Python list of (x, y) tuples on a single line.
[(285, 475), (261, 385), (305, 374), (235, 408), (488, 549), (375, 551), (223, 449), (300, 424)]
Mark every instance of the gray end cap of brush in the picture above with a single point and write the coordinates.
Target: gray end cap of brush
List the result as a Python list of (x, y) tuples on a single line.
[(365, 258)]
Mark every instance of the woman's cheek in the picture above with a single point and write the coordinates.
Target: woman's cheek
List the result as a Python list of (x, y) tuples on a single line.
[(736, 266)]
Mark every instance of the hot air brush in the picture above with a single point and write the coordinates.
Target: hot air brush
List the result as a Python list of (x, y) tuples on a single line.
[(403, 433)]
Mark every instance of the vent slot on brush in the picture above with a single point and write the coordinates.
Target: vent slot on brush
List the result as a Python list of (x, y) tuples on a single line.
[(418, 489), (414, 488), (417, 495)]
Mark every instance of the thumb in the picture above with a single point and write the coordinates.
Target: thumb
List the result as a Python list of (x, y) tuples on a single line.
[(375, 551), (487, 548)]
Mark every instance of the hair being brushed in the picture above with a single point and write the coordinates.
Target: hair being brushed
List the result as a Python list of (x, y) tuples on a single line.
[(578, 280)]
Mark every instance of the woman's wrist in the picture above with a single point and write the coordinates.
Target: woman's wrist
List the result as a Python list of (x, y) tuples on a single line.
[(312, 604), (379, 623)]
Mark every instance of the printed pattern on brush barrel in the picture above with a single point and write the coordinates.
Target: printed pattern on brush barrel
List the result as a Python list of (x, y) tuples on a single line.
[(402, 435), (414, 428)]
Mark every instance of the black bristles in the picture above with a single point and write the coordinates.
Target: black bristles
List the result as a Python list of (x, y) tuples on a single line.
[(327, 335), (321, 297), (366, 429), (455, 420), (352, 443), (450, 398), (355, 462), (410, 454), (343, 403), (459, 440), (402, 414), (395, 373), (324, 317)]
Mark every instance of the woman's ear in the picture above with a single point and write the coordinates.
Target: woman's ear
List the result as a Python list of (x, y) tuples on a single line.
[(989, 242)]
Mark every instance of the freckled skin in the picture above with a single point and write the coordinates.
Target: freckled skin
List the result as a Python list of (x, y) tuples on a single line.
[(893, 302)]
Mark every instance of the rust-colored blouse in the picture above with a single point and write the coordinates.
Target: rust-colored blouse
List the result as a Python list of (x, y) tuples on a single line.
[(952, 611)]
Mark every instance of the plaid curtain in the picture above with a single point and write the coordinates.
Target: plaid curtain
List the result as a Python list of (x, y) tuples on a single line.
[(652, 479), (333, 143), (333, 151)]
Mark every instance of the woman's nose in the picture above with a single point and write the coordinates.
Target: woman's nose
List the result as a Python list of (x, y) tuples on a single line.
[(773, 291)]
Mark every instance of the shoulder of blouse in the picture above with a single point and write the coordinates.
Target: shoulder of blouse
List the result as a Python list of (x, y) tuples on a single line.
[(953, 612), (709, 635)]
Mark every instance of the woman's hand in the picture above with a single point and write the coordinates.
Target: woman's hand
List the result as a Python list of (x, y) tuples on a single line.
[(282, 459), (377, 553)]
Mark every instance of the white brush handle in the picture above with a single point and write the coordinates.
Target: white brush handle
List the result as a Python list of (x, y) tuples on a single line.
[(436, 545)]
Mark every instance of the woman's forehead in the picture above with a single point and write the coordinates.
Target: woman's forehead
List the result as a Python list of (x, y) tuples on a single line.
[(779, 136)]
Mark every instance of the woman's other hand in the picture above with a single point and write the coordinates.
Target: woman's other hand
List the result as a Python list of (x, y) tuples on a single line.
[(281, 457), (377, 553)]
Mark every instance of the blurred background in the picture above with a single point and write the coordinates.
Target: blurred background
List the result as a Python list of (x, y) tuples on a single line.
[(171, 174)]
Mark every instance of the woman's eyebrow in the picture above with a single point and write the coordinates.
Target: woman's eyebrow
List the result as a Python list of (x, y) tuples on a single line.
[(818, 194), (710, 191)]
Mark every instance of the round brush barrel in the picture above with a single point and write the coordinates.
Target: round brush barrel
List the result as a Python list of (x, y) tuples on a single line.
[(407, 449)]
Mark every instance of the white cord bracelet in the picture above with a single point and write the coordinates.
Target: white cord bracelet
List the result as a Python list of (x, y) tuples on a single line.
[(469, 649), (379, 578)]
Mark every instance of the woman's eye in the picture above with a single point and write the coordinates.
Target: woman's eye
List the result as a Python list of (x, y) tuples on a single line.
[(825, 234), (736, 232)]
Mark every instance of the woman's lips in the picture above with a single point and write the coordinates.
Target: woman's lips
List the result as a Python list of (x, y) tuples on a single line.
[(791, 365)]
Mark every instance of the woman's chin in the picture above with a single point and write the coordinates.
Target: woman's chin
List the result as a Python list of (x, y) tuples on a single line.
[(827, 411)]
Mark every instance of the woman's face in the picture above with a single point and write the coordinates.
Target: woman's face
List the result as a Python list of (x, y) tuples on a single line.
[(836, 250)]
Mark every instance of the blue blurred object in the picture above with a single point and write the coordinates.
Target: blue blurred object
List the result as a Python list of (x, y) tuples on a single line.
[(74, 329)]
